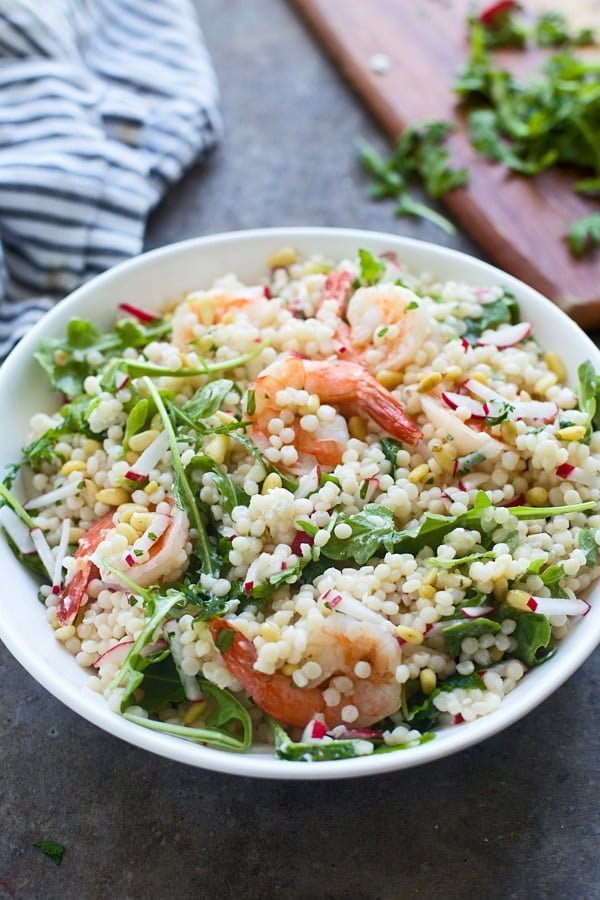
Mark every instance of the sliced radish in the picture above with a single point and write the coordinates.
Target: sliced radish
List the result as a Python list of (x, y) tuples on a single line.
[(350, 606), (506, 335), (454, 400), (248, 587), (473, 481), (149, 458), (372, 485), (574, 473), (301, 539), (466, 440), (61, 550), (309, 483), (516, 501), (43, 550), (491, 12), (357, 734), (121, 379), (535, 411), (141, 314), (557, 606), (116, 655), (17, 530), (474, 612), (315, 730), (60, 493)]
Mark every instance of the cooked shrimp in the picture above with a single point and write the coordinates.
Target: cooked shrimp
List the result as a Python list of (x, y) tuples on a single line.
[(157, 555), (203, 309), (73, 594), (338, 646), (384, 331), (342, 384)]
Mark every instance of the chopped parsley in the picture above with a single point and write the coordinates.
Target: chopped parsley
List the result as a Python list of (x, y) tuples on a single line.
[(52, 850)]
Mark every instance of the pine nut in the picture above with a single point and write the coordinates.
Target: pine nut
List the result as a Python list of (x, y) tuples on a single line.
[(283, 258), (357, 427), (536, 496), (271, 483), (269, 631), (454, 373), (217, 448), (65, 632), (139, 521), (518, 600), (419, 474), (75, 534), (128, 509), (409, 635), (194, 712), (571, 433), (429, 382), (140, 441), (427, 591), (151, 487), (428, 680), (112, 496), (389, 379), (545, 383), (555, 364), (73, 465), (127, 531)]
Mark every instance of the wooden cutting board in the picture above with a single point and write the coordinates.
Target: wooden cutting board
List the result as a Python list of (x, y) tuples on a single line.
[(519, 222)]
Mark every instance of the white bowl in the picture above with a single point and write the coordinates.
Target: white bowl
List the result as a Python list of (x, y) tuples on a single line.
[(153, 279)]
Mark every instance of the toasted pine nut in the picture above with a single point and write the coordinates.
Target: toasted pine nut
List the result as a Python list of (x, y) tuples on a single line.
[(429, 382), (112, 496), (518, 600), (75, 534), (555, 364), (289, 669), (217, 448), (389, 379), (283, 258), (139, 521), (454, 373), (151, 487), (544, 383), (444, 460), (481, 377), (90, 446), (127, 531), (409, 635), (571, 433), (508, 430), (427, 591), (357, 427), (140, 441), (419, 474), (131, 457), (65, 632), (428, 680), (73, 465), (128, 509), (271, 483), (194, 712), (269, 631), (495, 654), (536, 496)]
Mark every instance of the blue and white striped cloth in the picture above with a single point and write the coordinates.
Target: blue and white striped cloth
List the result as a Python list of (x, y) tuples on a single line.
[(103, 105)]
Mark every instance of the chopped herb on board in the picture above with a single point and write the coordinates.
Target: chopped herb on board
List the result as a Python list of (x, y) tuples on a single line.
[(52, 850)]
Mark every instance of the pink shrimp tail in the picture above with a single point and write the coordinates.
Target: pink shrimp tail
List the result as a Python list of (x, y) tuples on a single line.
[(276, 694), (74, 593), (383, 408)]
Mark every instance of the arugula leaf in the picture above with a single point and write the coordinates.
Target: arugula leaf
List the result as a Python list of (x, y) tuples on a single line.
[(52, 850), (503, 311), (551, 577), (532, 634), (504, 29), (371, 268), (455, 632), (208, 399), (390, 448), (248, 444), (228, 727), (460, 560), (182, 491), (584, 233), (65, 359), (587, 543), (552, 30), (206, 606), (10, 500), (421, 710), (136, 420), (231, 494), (161, 685), (589, 392), (29, 561), (419, 155), (374, 528)]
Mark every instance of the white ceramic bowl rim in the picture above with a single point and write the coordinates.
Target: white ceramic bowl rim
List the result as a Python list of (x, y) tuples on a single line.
[(219, 253)]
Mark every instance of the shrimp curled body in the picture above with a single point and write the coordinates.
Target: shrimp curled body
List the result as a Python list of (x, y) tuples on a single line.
[(337, 646)]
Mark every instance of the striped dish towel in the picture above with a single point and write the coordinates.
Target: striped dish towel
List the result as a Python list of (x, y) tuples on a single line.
[(103, 105)]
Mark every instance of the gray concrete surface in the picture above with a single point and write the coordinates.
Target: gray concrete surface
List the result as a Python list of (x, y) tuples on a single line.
[(514, 818)]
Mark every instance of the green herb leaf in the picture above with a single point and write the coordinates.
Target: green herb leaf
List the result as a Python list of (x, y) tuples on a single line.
[(532, 634), (456, 632), (584, 233), (587, 543), (503, 311), (371, 268), (52, 850), (390, 448), (421, 710), (136, 420), (161, 685), (460, 560), (208, 399), (231, 494), (589, 393)]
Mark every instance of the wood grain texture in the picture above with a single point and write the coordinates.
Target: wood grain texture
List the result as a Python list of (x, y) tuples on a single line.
[(520, 222)]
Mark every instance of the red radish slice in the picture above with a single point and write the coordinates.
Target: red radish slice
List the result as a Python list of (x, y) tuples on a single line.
[(301, 539), (466, 440), (372, 484), (116, 655), (309, 483), (557, 606), (516, 501), (43, 550), (506, 335), (359, 734), (392, 257), (352, 607), (472, 481), (149, 458), (535, 411), (315, 730), (493, 10), (454, 400), (473, 612), (61, 550), (17, 530), (121, 379), (248, 587), (61, 493), (574, 473), (141, 314)]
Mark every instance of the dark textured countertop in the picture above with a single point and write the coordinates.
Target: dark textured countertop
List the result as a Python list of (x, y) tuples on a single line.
[(514, 818)]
